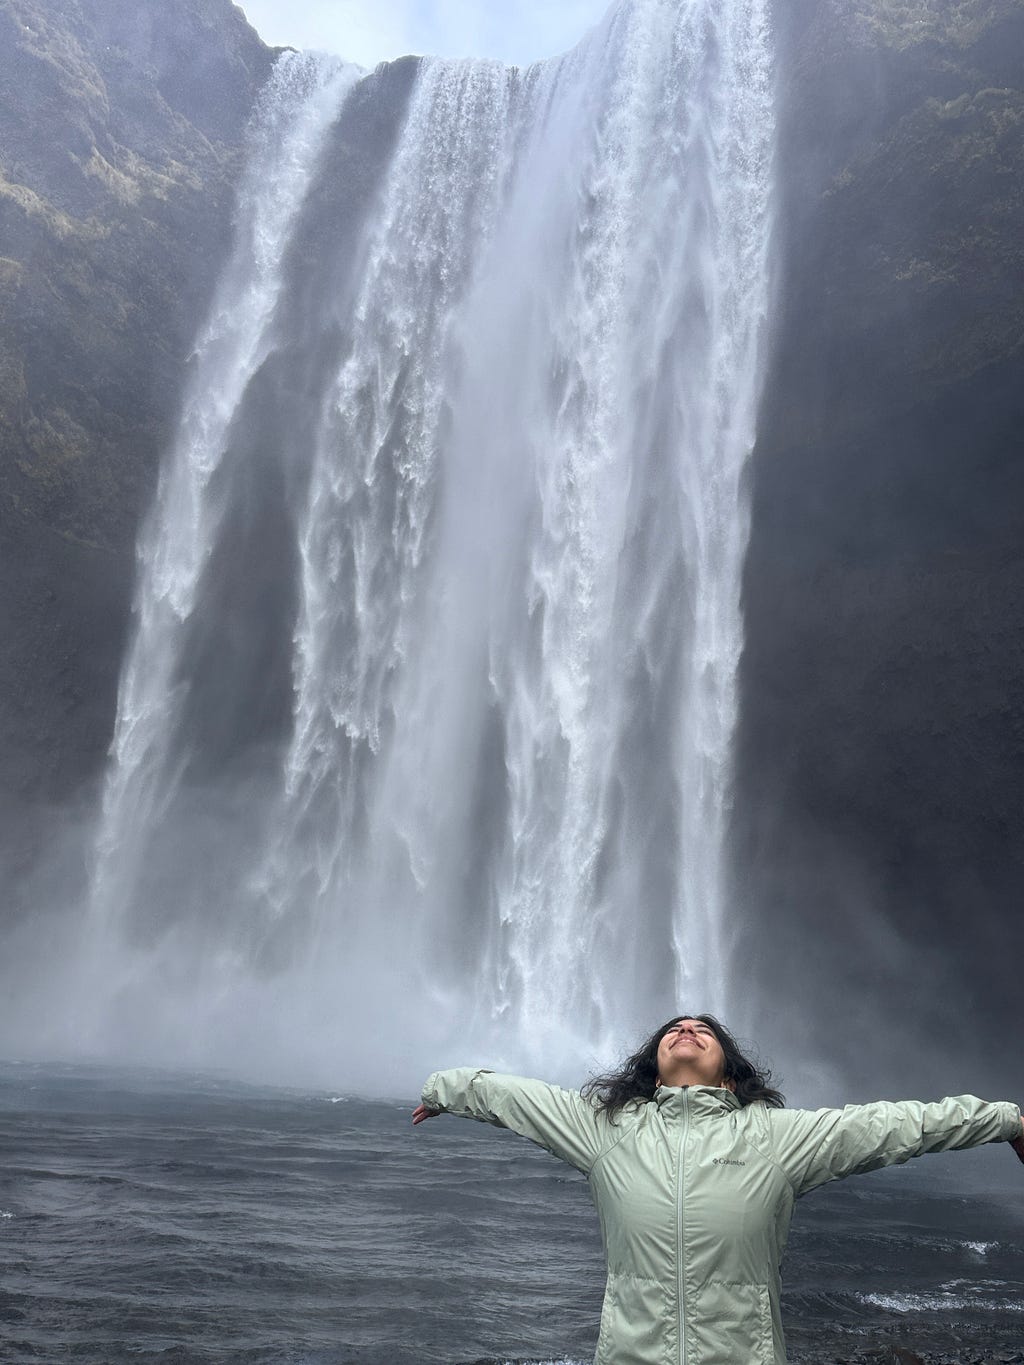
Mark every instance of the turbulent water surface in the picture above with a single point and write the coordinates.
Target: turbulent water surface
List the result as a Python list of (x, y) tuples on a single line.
[(184, 1220)]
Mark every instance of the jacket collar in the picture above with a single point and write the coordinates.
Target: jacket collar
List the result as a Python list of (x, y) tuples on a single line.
[(699, 1100)]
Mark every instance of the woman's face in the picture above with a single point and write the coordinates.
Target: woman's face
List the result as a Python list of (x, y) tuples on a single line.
[(690, 1054)]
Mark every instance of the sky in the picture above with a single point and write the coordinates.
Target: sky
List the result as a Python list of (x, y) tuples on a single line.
[(372, 31)]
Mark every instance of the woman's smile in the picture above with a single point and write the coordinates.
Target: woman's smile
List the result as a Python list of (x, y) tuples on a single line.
[(689, 1053)]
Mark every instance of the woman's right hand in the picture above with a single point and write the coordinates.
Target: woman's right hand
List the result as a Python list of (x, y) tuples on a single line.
[(421, 1112), (1018, 1142)]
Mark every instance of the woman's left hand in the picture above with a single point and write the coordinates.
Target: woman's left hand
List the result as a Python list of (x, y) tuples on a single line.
[(1018, 1142), (421, 1112)]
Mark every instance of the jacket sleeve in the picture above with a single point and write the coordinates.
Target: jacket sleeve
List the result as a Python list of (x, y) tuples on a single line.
[(561, 1121), (828, 1144)]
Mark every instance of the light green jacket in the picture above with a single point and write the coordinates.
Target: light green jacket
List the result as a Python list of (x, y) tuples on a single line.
[(695, 1193)]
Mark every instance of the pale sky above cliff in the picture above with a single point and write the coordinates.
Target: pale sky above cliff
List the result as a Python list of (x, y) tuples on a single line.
[(371, 31)]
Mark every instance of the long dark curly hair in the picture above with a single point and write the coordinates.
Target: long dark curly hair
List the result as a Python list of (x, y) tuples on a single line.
[(636, 1079)]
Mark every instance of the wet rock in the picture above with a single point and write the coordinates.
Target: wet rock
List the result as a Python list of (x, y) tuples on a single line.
[(120, 141), (880, 755)]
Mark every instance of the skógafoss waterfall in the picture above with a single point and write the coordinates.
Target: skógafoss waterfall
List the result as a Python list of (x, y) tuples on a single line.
[(425, 727)]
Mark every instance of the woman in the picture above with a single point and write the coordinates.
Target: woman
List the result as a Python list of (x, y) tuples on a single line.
[(694, 1166)]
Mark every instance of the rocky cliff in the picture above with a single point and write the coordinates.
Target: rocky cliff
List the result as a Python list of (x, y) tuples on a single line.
[(120, 134), (881, 755)]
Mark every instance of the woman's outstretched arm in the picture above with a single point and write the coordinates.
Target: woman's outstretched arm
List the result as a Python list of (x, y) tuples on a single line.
[(561, 1121), (828, 1144)]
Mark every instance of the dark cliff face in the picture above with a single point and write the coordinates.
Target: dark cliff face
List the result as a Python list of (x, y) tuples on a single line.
[(121, 131), (121, 134), (881, 751)]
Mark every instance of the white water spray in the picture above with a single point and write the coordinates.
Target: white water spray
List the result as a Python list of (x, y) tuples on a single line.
[(498, 816)]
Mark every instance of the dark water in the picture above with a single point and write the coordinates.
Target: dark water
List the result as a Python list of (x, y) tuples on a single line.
[(154, 1218)]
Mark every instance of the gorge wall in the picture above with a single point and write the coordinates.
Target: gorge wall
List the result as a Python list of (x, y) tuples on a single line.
[(120, 132), (881, 749)]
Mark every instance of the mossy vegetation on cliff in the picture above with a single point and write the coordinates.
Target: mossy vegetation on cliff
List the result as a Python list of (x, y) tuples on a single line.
[(903, 148), (114, 210), (951, 24), (933, 212)]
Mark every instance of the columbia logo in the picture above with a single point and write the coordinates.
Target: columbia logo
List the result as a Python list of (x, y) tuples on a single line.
[(727, 1161)]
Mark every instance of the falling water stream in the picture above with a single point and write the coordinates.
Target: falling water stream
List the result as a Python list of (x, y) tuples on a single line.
[(427, 718)]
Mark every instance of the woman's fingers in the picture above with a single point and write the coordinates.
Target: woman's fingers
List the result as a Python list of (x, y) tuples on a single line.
[(421, 1112)]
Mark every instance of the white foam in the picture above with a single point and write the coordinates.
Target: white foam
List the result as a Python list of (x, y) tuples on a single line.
[(940, 1301)]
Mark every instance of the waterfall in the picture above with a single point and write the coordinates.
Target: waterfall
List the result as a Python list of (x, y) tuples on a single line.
[(287, 134), (426, 724)]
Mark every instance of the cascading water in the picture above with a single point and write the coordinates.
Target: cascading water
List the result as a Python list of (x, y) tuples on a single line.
[(287, 136), (426, 725)]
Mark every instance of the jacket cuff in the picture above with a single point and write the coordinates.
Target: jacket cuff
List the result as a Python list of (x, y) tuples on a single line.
[(428, 1095), (1013, 1126)]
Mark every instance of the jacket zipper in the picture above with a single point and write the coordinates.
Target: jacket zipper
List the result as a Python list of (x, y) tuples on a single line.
[(680, 1227)]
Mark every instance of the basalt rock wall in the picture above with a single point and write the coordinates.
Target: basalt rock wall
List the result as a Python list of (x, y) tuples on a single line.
[(881, 752), (120, 135)]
